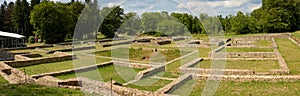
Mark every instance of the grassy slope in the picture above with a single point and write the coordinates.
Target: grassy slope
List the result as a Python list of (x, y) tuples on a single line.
[(290, 52)]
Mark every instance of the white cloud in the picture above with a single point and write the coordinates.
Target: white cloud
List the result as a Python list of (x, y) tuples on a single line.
[(110, 4)]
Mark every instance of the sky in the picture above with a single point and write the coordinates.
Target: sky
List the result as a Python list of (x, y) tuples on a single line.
[(194, 7)]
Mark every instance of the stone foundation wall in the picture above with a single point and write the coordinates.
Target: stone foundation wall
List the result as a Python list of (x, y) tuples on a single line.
[(31, 47), (225, 71), (247, 78), (149, 72), (14, 76), (250, 54), (21, 57), (175, 84), (24, 63)]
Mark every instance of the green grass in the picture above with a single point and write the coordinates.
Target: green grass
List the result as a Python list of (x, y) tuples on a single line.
[(107, 72), (172, 68), (256, 65), (149, 84), (64, 65), (36, 90), (3, 81), (140, 54), (249, 50), (184, 89), (290, 53), (296, 34), (204, 52), (231, 88), (263, 43)]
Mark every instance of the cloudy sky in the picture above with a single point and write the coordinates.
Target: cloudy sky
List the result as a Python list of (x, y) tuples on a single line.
[(195, 7), (212, 7)]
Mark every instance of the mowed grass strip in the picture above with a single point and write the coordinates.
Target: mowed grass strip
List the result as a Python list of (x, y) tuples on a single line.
[(64, 65), (256, 65), (232, 88), (263, 43), (149, 84), (291, 54), (106, 73), (249, 50), (37, 90), (139, 54)]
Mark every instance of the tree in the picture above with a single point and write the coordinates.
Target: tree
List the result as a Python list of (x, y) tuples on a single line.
[(20, 18), (112, 21), (50, 21), (171, 28), (240, 24)]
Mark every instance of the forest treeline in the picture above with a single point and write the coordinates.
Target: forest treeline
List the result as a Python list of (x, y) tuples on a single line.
[(55, 22)]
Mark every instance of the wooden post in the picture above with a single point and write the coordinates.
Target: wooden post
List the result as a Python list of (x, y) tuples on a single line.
[(25, 76), (111, 86)]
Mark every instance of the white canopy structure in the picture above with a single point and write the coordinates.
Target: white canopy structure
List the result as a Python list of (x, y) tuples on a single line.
[(8, 40), (12, 35)]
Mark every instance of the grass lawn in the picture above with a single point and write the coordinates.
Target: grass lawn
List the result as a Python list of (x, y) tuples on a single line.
[(249, 50), (256, 65), (107, 72), (231, 88), (172, 68), (139, 54), (290, 53), (204, 52), (64, 65), (149, 84), (296, 34), (36, 90), (184, 89), (263, 43), (3, 81)]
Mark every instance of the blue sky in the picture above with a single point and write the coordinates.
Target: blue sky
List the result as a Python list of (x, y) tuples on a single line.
[(195, 7)]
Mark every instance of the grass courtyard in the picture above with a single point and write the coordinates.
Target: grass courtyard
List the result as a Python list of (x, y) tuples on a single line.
[(106, 73), (290, 53), (256, 65)]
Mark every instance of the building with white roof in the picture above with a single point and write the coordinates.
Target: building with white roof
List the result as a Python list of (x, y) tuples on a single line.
[(9, 40)]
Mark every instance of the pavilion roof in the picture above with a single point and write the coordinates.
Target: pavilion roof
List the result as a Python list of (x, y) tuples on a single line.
[(11, 35)]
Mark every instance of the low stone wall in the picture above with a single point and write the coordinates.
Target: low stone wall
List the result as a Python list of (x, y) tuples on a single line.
[(21, 57), (208, 71), (48, 81), (175, 84), (24, 63), (119, 43), (81, 69), (149, 72), (14, 76), (31, 47), (103, 88), (250, 54), (247, 78), (192, 63), (32, 55), (132, 65)]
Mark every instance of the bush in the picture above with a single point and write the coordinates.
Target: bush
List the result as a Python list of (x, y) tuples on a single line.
[(31, 39)]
